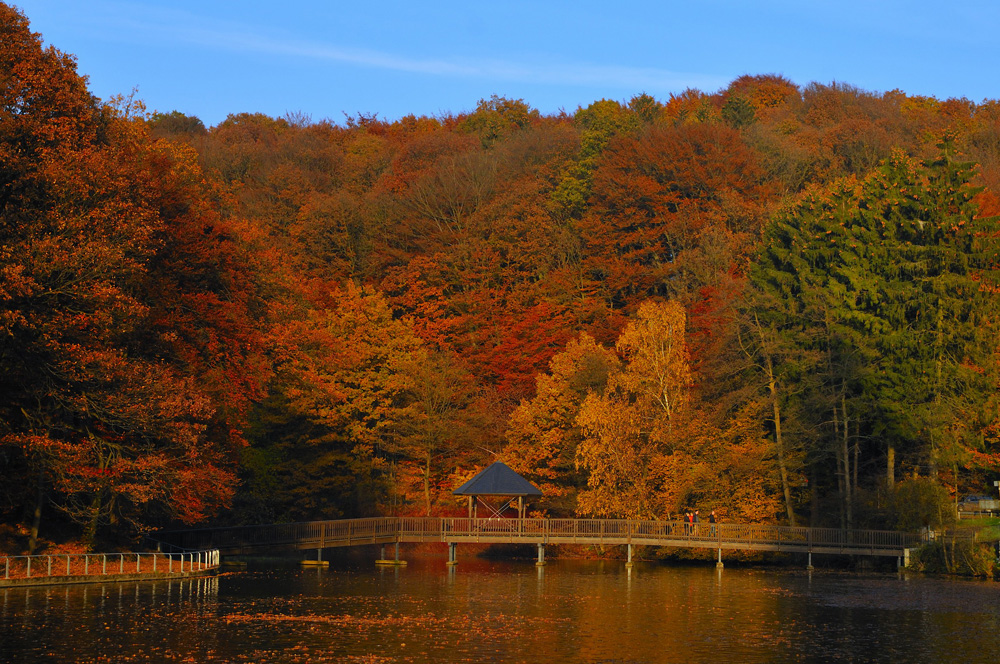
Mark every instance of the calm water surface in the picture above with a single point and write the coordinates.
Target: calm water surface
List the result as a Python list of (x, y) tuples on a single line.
[(569, 611)]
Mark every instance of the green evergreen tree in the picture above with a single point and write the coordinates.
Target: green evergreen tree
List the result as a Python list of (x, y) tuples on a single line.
[(889, 283)]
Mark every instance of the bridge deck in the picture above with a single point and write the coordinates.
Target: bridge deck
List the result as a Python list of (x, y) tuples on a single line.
[(384, 530)]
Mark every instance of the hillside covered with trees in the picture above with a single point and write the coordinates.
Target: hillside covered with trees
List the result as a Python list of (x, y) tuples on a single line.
[(776, 301)]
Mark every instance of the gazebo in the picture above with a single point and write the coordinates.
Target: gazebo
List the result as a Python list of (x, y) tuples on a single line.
[(493, 482)]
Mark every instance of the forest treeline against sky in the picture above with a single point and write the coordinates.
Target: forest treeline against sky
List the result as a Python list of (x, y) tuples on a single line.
[(773, 300)]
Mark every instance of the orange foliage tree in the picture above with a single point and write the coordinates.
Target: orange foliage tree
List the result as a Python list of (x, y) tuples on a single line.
[(657, 197), (129, 349)]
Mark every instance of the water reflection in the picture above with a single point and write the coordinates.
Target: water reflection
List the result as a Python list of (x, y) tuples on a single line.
[(79, 622), (567, 611)]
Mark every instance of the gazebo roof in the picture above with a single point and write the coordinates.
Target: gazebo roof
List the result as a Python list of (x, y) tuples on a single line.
[(497, 479)]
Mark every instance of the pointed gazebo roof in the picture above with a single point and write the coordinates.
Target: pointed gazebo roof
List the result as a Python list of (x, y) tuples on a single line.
[(497, 479)]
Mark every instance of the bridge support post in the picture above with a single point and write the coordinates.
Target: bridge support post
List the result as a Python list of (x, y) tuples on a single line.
[(809, 565), (719, 564), (541, 555), (394, 562), (452, 558), (628, 563), (315, 563)]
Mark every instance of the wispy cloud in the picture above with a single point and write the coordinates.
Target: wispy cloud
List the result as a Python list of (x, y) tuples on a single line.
[(143, 24)]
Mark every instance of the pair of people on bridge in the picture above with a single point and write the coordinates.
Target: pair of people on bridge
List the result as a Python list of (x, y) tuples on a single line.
[(692, 519)]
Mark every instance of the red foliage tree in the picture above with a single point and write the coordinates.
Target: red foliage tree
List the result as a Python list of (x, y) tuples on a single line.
[(129, 352)]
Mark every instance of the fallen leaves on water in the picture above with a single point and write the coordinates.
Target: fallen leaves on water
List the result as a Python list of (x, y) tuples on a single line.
[(511, 625)]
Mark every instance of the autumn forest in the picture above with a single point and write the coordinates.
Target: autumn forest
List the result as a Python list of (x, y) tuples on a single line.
[(774, 300)]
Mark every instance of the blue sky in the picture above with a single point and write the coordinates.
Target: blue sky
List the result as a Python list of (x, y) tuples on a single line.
[(327, 59)]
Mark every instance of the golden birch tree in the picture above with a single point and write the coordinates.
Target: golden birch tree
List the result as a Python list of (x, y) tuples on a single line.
[(628, 429)]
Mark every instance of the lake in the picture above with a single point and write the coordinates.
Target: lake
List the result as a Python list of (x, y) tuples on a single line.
[(507, 611)]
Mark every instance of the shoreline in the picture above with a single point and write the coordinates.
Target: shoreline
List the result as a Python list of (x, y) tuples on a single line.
[(28, 582)]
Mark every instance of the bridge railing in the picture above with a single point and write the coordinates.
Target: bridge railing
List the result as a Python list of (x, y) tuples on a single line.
[(322, 533), (618, 530), (355, 530), (381, 529)]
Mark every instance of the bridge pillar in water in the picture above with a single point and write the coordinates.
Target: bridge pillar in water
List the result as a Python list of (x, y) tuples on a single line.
[(396, 561), (541, 555), (628, 562), (315, 563), (809, 565), (719, 564), (452, 558)]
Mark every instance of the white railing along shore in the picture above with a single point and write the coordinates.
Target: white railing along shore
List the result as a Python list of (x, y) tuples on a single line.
[(85, 565)]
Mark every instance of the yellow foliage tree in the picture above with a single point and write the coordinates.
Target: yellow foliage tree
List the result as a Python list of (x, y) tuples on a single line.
[(624, 436), (657, 356), (628, 430), (650, 450), (543, 434)]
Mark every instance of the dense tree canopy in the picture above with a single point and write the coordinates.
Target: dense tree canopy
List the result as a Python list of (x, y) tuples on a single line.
[(774, 301), (130, 354), (883, 294)]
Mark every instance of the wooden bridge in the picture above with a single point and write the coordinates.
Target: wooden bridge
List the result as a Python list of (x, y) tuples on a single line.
[(321, 535)]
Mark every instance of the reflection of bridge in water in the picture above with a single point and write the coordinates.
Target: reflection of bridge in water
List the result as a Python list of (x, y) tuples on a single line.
[(321, 535)]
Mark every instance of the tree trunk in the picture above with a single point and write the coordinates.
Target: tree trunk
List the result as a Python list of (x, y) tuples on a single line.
[(36, 517), (813, 498), (427, 482), (393, 489), (90, 531), (779, 442), (938, 344), (841, 475), (932, 460), (854, 466), (890, 467), (839, 443), (954, 468), (849, 493)]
